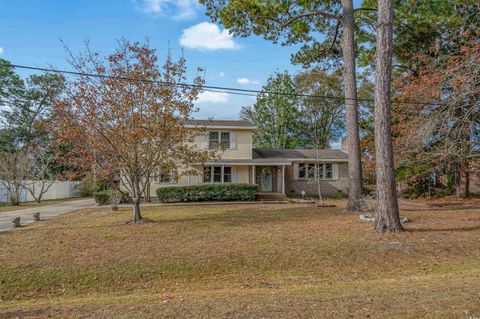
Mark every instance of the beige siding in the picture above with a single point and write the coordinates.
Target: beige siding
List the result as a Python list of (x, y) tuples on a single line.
[(243, 140), (240, 176)]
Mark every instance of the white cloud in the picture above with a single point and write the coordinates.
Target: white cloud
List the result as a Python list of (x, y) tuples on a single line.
[(1, 50), (245, 81), (187, 9), (207, 36), (221, 74), (212, 97), (177, 9)]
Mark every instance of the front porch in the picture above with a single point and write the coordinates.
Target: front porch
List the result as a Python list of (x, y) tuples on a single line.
[(270, 179)]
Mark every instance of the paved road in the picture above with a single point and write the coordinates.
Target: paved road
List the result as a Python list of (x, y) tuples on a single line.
[(26, 215)]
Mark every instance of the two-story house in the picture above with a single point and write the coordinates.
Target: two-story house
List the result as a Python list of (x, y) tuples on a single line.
[(276, 171)]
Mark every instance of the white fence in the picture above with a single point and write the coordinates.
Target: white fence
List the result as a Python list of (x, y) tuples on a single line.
[(59, 190)]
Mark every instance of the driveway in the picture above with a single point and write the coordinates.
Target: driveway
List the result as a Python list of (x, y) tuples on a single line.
[(26, 215)]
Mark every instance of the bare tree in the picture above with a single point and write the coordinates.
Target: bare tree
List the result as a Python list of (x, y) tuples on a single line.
[(321, 120), (26, 138), (387, 219), (40, 176), (13, 171)]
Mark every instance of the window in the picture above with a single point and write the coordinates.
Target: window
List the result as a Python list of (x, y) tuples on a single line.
[(162, 177), (328, 171), (227, 174), (302, 171), (225, 140), (217, 174), (213, 141), (320, 173), (323, 171), (207, 174), (219, 139), (311, 171)]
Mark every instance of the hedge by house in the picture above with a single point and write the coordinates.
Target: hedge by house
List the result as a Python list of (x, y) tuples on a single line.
[(207, 192)]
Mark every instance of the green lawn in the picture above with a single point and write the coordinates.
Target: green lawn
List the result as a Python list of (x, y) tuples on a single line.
[(242, 261)]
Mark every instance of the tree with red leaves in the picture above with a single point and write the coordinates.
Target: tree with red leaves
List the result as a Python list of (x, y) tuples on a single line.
[(445, 133), (129, 120)]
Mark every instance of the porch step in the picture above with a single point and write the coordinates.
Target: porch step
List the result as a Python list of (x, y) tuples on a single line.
[(270, 196)]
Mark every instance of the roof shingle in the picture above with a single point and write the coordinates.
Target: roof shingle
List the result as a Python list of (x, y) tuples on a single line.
[(226, 123), (329, 154)]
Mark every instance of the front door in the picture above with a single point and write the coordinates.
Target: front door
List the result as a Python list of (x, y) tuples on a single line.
[(266, 179)]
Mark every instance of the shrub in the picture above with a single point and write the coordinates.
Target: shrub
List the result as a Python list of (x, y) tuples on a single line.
[(103, 197), (86, 187), (207, 192), (421, 190)]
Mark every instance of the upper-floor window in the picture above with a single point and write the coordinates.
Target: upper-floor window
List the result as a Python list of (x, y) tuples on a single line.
[(219, 139), (323, 171)]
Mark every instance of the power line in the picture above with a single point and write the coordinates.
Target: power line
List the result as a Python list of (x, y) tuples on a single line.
[(209, 88)]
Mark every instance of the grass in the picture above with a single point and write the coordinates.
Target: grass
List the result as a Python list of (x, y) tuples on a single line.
[(242, 261), (8, 208)]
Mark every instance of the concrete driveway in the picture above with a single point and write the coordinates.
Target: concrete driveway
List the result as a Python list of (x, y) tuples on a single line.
[(48, 211)]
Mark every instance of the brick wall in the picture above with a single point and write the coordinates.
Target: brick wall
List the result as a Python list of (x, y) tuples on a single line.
[(332, 188)]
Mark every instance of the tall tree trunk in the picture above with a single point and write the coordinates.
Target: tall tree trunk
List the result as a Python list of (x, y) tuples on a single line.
[(137, 217), (387, 219), (147, 191), (317, 176), (137, 195), (350, 88), (463, 180)]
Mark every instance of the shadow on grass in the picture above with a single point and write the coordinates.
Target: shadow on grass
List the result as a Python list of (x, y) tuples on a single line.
[(453, 229), (438, 209)]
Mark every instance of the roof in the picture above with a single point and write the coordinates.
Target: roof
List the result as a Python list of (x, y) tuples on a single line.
[(277, 156), (257, 161), (240, 124), (299, 154)]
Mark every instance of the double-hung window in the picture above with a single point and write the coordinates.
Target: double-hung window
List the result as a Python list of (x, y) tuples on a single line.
[(302, 171), (164, 177), (328, 171), (217, 174), (227, 174), (306, 171), (219, 139), (311, 171)]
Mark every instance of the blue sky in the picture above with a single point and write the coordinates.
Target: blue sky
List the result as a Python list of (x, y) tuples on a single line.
[(30, 33)]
